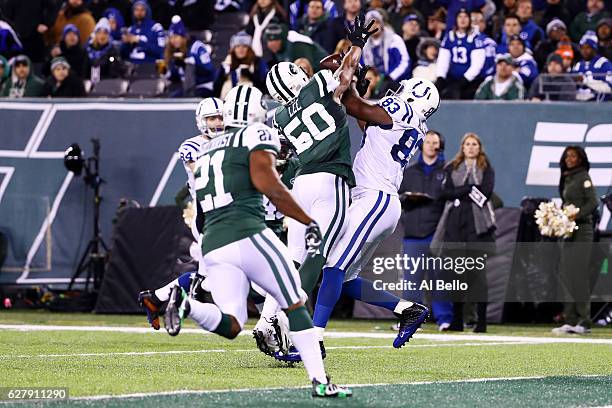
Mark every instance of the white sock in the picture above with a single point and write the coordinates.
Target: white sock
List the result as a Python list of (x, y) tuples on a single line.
[(320, 331), (306, 343), (270, 307), (163, 293), (206, 315), (401, 305)]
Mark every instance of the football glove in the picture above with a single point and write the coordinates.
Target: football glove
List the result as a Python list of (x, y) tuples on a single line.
[(360, 33), (313, 238), (362, 83)]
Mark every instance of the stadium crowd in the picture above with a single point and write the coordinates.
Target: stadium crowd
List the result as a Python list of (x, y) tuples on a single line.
[(482, 49)]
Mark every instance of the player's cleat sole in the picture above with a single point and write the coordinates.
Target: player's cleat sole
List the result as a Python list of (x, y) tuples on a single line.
[(330, 390), (410, 320), (293, 356), (152, 305), (176, 311)]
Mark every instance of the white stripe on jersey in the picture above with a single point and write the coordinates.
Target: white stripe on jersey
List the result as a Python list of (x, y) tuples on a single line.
[(386, 150)]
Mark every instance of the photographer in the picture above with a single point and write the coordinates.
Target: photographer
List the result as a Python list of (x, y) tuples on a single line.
[(421, 210)]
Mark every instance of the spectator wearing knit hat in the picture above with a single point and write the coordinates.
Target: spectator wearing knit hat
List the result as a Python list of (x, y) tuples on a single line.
[(103, 59), (426, 66), (588, 20), (411, 34), (454, 6), (596, 70), (62, 83), (182, 56), (22, 83), (70, 48), (241, 66), (504, 85), (145, 40), (263, 13), (555, 31), (386, 50), (116, 22), (553, 85), (525, 64), (604, 35), (73, 12), (402, 10)]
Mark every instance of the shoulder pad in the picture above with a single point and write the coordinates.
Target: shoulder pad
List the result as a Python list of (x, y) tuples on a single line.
[(326, 81), (398, 110), (261, 137), (189, 150)]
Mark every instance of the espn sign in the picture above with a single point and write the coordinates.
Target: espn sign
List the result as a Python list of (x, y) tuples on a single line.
[(550, 139)]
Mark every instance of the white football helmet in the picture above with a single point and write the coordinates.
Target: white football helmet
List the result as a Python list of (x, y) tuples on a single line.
[(285, 80), (243, 106), (206, 108), (422, 96)]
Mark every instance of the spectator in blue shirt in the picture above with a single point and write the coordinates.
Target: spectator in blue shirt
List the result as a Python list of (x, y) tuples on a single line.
[(116, 22), (386, 50), (478, 20), (145, 39), (315, 24), (531, 33), (512, 27), (181, 56), (454, 6), (300, 7), (10, 44), (596, 70), (461, 60), (525, 64)]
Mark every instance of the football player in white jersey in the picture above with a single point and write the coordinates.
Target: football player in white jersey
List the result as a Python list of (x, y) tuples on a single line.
[(394, 129), (209, 120)]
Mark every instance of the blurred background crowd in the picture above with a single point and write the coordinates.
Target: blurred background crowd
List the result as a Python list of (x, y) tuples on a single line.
[(472, 49)]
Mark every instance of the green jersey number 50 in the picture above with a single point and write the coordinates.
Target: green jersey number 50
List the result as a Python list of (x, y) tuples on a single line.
[(305, 140)]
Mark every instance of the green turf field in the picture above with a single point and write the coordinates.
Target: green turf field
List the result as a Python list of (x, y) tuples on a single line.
[(509, 366)]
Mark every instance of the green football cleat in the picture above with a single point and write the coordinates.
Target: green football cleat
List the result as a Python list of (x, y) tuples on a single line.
[(329, 390), (176, 311)]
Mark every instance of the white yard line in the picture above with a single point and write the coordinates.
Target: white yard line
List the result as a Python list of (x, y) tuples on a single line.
[(205, 351), (201, 392), (328, 334)]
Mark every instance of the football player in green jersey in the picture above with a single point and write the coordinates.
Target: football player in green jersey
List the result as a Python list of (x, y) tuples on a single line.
[(232, 173), (315, 123)]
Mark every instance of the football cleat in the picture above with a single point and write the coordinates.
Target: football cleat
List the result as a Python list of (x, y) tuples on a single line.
[(411, 319), (152, 305), (265, 334), (293, 356), (176, 311), (329, 390)]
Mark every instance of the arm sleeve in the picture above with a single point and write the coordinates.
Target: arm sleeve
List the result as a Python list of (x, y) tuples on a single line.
[(590, 199), (326, 82), (488, 182), (398, 110), (443, 63), (188, 151), (477, 57), (261, 137), (404, 59)]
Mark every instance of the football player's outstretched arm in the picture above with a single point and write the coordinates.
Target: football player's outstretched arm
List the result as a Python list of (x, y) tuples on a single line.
[(358, 37), (364, 111), (262, 166)]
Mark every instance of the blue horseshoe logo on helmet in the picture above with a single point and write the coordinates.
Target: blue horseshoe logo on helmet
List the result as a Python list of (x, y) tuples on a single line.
[(425, 92)]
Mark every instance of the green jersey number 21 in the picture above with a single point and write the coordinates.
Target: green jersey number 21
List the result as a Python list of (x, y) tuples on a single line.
[(220, 198), (305, 140)]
